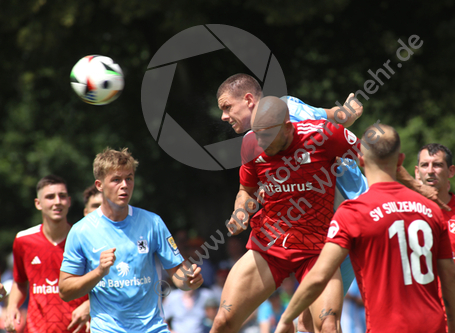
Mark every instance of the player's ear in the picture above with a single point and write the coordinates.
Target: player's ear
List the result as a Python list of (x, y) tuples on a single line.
[(250, 100), (288, 125), (451, 171), (38, 204), (99, 185), (361, 160)]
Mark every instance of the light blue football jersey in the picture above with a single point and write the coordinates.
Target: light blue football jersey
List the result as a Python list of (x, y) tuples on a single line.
[(126, 299), (352, 182)]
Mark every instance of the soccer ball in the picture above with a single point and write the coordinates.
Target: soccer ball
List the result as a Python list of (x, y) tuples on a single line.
[(97, 79)]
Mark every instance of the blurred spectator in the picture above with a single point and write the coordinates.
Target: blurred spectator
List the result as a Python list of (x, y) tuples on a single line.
[(235, 249), (181, 238), (287, 289), (193, 247), (353, 315), (185, 310), (197, 251), (269, 312), (19, 329), (211, 308), (7, 280), (92, 199), (7, 267)]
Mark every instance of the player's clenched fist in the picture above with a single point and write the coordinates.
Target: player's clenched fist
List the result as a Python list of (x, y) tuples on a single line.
[(238, 222), (107, 259), (194, 280)]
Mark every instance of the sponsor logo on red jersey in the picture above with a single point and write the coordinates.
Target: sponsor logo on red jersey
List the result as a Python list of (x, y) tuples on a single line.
[(50, 288), (36, 261)]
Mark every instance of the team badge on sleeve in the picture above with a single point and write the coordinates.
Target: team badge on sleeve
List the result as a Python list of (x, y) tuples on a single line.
[(333, 229), (452, 226), (350, 137), (142, 246), (173, 245)]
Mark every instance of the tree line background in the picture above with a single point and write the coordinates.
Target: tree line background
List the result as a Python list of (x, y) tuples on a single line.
[(325, 48)]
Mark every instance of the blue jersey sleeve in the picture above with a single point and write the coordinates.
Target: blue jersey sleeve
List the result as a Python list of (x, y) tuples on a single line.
[(74, 261), (352, 183), (299, 110), (167, 249)]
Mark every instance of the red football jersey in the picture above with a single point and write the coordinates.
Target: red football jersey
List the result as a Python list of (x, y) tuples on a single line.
[(395, 237), (38, 261), (299, 184), (450, 218)]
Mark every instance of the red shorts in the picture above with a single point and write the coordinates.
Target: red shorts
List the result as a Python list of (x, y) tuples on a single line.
[(282, 262)]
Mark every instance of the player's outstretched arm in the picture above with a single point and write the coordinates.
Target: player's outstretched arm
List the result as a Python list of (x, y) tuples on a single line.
[(74, 286), (331, 257), (186, 276), (80, 318), (16, 298), (352, 110), (244, 203), (446, 268), (429, 192)]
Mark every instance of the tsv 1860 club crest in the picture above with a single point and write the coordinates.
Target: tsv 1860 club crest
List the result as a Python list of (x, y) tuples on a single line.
[(142, 246)]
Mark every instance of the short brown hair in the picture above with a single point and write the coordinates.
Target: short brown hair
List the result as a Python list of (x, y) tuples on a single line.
[(387, 145), (111, 159), (49, 180), (434, 148), (89, 192), (238, 85)]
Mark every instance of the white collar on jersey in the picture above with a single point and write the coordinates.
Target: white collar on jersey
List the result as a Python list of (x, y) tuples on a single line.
[(130, 211)]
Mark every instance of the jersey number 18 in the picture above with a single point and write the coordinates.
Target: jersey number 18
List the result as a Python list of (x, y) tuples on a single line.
[(397, 228)]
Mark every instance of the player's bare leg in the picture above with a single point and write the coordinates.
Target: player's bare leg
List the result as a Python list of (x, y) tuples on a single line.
[(248, 284), (305, 322), (326, 310)]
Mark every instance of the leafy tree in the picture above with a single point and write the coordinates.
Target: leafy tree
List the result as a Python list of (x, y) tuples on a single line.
[(325, 48)]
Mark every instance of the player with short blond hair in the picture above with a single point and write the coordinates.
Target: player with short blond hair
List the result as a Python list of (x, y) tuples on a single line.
[(113, 254), (111, 159)]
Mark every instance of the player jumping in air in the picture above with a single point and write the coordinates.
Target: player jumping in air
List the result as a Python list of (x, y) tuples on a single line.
[(239, 95), (289, 232)]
